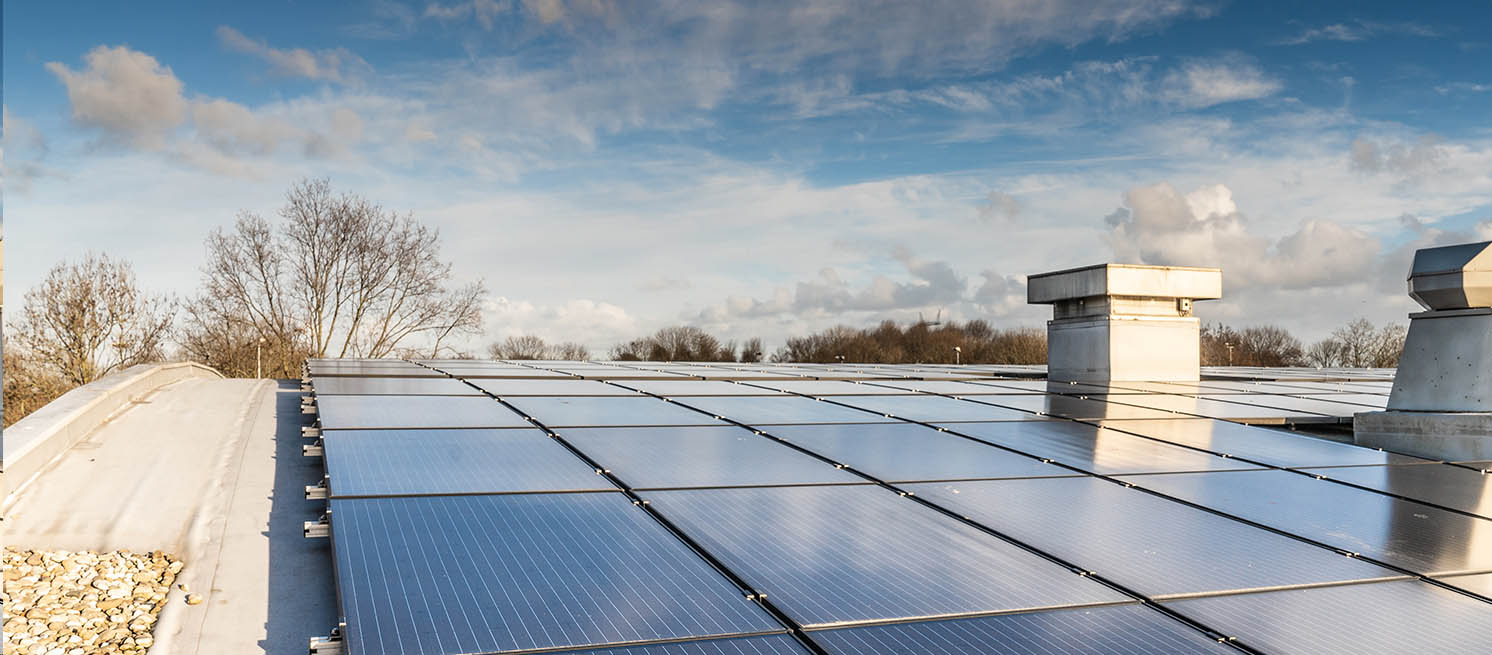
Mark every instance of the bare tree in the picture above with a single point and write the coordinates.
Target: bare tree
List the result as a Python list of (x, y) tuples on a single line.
[(1359, 344), (28, 384), (88, 319), (752, 350), (340, 276), (570, 351), (680, 343), (521, 347)]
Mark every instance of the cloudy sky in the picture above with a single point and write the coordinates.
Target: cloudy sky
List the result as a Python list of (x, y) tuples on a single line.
[(765, 169)]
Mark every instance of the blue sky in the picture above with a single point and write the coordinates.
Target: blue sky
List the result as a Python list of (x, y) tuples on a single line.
[(765, 169)]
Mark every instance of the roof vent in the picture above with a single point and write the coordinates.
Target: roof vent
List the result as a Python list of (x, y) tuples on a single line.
[(1123, 322), (1441, 404)]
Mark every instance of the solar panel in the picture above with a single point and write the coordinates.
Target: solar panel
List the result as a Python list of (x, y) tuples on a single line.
[(1447, 486), (768, 410), (583, 411), (753, 645), (837, 555), (1209, 407), (1120, 630), (379, 386), (1310, 404), (896, 452), (571, 387), (1152, 545), (828, 387), (698, 388), (389, 412), (936, 408), (472, 574), (415, 462), (1480, 583), (1411, 535), (949, 387), (651, 458), (1260, 444), (1388, 618), (1072, 407), (1094, 449)]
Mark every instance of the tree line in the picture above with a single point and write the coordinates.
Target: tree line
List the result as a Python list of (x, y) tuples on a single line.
[(336, 275)]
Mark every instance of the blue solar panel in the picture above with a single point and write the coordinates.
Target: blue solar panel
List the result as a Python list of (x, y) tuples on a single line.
[(475, 574), (839, 555), (1094, 449), (754, 645), (1152, 545), (1411, 535), (418, 462), (392, 412), (768, 410), (1441, 484), (1267, 445), (907, 451), (1387, 618), (652, 458), (373, 386), (1122, 630), (936, 408), (581, 411)]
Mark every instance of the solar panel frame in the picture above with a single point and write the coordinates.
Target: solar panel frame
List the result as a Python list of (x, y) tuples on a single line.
[(778, 410), (504, 388)]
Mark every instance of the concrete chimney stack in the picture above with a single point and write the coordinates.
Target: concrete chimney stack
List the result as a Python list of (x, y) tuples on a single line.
[(1441, 404), (1124, 322)]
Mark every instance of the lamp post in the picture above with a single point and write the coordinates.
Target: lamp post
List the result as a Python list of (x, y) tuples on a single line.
[(259, 358), (1229, 346), (957, 355)]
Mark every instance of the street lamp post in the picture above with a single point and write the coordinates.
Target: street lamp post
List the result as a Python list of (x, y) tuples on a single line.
[(259, 358), (957, 355), (1229, 346)]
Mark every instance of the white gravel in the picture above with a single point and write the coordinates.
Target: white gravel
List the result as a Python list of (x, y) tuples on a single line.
[(80, 603)]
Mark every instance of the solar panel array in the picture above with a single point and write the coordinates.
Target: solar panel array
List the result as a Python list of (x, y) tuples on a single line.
[(660, 508)]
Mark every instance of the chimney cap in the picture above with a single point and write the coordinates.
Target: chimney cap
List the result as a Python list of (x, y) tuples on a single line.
[(1129, 280), (1452, 277)]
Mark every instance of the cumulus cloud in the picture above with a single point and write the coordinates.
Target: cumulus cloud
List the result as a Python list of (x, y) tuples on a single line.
[(1161, 226), (333, 65), (126, 94), (137, 102)]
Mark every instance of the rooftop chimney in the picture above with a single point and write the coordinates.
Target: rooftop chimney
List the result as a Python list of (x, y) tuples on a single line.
[(1441, 404), (1123, 322)]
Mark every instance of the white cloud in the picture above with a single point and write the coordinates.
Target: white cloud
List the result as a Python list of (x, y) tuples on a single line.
[(1358, 31), (597, 325), (1000, 206), (1204, 228), (1205, 83), (127, 94), (333, 65), (484, 11)]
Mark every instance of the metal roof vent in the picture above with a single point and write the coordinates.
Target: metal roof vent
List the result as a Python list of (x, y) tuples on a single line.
[(1123, 321), (1452, 277), (1441, 404)]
